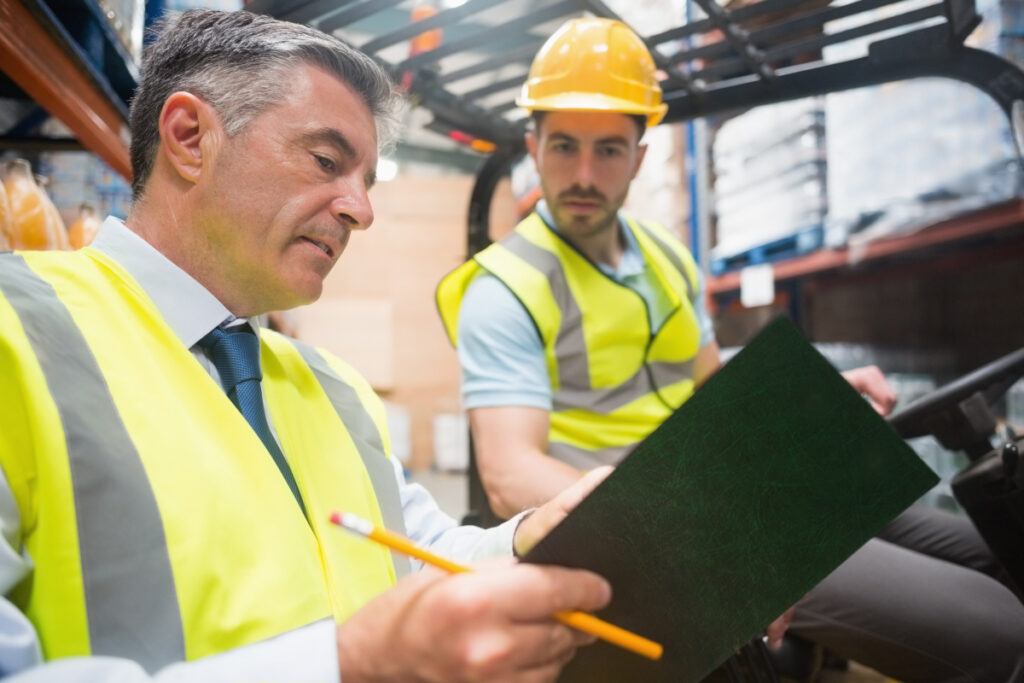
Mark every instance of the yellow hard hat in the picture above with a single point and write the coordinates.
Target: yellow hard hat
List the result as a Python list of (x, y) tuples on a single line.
[(594, 64)]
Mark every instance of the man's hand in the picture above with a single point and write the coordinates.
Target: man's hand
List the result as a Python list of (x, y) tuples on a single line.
[(537, 524), (489, 625), (870, 382), (777, 629)]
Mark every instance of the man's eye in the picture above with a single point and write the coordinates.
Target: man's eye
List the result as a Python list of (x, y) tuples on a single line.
[(609, 151), (325, 163)]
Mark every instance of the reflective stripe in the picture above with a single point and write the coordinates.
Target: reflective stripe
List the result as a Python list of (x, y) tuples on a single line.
[(583, 459), (665, 373), (367, 440), (672, 256), (130, 597), (604, 401), (575, 389), (570, 346)]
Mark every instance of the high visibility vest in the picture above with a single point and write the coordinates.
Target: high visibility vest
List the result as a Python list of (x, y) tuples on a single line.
[(159, 526), (613, 379)]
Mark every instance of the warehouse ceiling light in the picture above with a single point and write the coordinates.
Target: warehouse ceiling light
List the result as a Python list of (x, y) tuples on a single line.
[(387, 169)]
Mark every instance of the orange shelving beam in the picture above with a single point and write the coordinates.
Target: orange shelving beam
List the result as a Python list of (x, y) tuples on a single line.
[(37, 63)]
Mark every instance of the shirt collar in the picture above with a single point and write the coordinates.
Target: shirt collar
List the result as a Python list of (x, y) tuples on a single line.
[(188, 308), (632, 261)]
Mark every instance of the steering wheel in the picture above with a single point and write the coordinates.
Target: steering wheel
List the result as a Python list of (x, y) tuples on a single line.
[(958, 414)]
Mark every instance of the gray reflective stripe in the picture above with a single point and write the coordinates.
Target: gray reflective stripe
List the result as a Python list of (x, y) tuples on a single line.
[(570, 347), (604, 401), (666, 374), (367, 439), (672, 256), (583, 459), (130, 598)]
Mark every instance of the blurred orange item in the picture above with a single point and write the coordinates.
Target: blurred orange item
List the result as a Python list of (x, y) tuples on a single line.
[(428, 40), (5, 220), (35, 221), (56, 223), (85, 227)]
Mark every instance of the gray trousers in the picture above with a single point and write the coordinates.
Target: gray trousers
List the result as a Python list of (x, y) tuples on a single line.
[(918, 603)]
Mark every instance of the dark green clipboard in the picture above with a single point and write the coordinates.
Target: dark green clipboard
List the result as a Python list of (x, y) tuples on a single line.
[(754, 490)]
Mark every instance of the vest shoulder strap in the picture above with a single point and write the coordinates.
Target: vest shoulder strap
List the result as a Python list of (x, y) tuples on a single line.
[(360, 410), (673, 249)]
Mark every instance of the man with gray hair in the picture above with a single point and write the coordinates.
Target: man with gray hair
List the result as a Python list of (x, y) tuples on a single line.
[(169, 468)]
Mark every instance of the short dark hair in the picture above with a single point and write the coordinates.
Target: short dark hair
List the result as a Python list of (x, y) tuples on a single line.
[(237, 62), (537, 116)]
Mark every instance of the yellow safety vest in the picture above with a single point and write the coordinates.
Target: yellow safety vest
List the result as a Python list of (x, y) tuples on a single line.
[(613, 380), (159, 526)]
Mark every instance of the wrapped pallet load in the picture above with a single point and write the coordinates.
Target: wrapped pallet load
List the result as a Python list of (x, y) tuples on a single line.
[(36, 224), (5, 220), (85, 227)]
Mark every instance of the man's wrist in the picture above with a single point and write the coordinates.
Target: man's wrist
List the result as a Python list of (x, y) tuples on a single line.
[(516, 545)]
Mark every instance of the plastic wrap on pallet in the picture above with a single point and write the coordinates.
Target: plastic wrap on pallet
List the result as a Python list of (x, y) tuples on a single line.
[(904, 155), (127, 18), (80, 177), (753, 132), (769, 189), (752, 174), (804, 183)]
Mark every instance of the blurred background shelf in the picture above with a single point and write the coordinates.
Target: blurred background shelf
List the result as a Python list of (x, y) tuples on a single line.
[(83, 76), (992, 233)]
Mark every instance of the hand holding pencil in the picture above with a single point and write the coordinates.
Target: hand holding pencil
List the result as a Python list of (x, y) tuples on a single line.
[(478, 626), (581, 621), (470, 627)]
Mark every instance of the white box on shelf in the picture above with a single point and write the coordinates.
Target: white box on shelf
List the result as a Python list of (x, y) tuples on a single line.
[(451, 442)]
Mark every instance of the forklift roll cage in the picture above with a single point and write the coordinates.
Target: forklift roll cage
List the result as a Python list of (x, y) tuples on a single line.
[(762, 52), (730, 60)]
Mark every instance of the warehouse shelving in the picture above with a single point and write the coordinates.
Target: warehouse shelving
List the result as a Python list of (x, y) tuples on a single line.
[(47, 65), (996, 229)]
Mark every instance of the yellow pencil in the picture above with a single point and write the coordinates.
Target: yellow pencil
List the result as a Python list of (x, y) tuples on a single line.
[(582, 621)]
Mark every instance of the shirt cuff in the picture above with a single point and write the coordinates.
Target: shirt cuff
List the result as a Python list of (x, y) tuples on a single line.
[(500, 399), (499, 541)]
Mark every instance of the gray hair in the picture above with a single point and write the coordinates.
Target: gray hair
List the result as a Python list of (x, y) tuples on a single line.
[(238, 62)]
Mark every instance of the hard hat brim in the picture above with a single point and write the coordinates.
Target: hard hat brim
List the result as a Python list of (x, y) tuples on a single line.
[(591, 102)]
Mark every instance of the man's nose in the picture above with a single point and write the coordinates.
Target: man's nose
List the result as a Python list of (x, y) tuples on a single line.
[(585, 169), (351, 205)]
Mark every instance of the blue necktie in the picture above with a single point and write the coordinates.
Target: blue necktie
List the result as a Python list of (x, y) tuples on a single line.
[(236, 355)]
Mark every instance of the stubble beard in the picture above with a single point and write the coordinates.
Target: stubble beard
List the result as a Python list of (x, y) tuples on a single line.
[(584, 227)]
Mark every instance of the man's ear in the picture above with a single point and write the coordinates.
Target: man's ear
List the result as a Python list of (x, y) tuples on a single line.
[(530, 138), (190, 133), (641, 151)]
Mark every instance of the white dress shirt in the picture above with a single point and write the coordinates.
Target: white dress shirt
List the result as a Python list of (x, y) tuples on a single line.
[(304, 654)]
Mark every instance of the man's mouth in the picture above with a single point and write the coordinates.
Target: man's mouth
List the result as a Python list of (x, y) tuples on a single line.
[(322, 246), (582, 200), (580, 204)]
